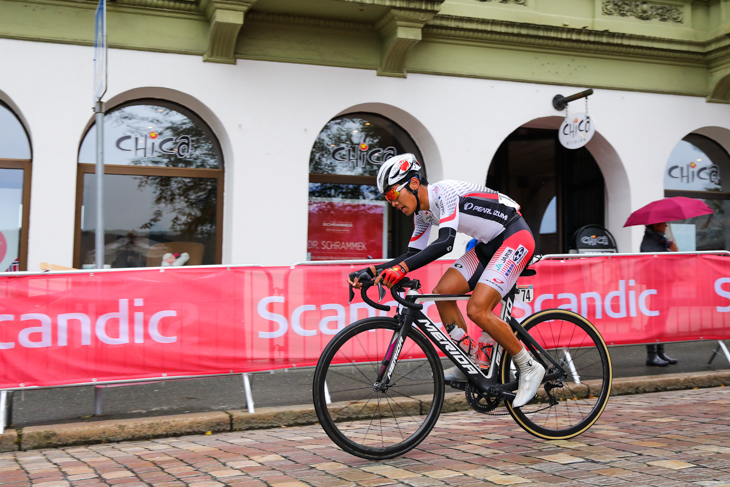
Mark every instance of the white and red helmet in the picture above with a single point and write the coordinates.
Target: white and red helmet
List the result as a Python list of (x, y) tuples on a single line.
[(396, 170)]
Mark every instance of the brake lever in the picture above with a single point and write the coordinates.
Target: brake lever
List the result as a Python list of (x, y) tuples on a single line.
[(381, 291), (352, 294)]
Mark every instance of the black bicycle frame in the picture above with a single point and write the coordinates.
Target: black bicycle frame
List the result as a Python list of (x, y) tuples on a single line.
[(486, 384)]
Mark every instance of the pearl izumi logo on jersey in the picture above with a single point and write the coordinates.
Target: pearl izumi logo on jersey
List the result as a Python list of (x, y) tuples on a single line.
[(475, 209)]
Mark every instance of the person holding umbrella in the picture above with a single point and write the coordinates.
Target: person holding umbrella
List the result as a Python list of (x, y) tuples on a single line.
[(655, 240), (655, 216)]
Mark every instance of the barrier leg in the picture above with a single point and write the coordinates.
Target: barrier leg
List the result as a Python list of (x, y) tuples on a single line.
[(3, 403), (720, 346), (327, 397), (98, 400), (249, 397), (568, 359)]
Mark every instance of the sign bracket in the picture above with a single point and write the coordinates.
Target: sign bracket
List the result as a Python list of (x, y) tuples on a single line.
[(560, 101)]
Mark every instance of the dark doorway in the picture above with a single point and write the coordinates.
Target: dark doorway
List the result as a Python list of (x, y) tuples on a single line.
[(559, 189)]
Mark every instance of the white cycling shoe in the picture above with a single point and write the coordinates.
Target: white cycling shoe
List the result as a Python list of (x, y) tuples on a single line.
[(530, 379), (454, 374)]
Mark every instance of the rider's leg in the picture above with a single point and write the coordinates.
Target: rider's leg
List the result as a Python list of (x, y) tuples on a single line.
[(480, 310), (452, 282)]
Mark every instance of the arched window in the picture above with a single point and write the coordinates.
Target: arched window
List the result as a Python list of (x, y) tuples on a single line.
[(694, 170), (15, 157), (163, 188), (347, 217)]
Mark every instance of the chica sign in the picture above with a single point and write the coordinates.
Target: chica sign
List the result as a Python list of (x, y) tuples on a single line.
[(576, 131)]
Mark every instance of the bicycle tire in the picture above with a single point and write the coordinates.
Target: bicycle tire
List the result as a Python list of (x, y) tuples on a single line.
[(583, 395), (364, 421)]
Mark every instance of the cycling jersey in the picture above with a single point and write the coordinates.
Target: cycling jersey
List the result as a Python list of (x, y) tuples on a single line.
[(482, 213), (505, 243), (475, 210)]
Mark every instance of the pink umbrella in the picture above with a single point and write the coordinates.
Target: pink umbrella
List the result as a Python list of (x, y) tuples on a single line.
[(667, 210)]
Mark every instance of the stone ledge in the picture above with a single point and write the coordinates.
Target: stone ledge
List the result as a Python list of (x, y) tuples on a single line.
[(669, 382), (52, 436), (9, 441)]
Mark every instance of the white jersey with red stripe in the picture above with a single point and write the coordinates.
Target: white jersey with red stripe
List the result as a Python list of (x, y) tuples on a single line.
[(469, 208)]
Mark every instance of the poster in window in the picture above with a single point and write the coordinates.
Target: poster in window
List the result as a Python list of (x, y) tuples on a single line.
[(346, 229)]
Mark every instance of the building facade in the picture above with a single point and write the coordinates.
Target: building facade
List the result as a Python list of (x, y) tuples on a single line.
[(250, 131)]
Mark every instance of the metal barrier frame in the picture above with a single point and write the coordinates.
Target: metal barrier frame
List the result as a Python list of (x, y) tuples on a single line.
[(6, 395)]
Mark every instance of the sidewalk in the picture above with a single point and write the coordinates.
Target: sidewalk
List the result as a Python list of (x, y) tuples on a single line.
[(83, 433), (671, 439)]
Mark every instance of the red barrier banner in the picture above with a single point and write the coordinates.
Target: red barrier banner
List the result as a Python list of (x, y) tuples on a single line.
[(87, 327)]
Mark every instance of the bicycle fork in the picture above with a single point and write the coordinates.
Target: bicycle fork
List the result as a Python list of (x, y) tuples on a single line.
[(391, 357)]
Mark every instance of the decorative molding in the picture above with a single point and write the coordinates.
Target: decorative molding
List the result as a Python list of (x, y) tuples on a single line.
[(400, 30), (644, 10), (179, 5), (276, 18), (226, 19), (534, 36), (516, 2), (433, 5)]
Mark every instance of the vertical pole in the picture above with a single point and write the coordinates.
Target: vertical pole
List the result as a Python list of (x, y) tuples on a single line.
[(721, 344), (99, 244), (98, 400), (249, 397), (3, 415), (569, 360)]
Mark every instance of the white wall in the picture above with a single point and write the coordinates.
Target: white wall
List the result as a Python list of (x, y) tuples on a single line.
[(267, 116)]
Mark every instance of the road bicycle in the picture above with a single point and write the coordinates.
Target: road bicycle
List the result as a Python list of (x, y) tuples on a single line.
[(379, 386)]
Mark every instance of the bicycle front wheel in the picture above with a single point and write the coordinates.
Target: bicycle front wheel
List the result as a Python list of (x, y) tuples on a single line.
[(377, 422), (566, 407)]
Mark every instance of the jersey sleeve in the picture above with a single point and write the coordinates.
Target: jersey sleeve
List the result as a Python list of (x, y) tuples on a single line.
[(421, 233), (448, 203)]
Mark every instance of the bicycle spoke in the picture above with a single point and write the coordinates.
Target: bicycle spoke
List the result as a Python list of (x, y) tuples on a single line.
[(362, 418), (580, 396)]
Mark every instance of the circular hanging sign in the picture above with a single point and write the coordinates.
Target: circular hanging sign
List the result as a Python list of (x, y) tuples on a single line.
[(576, 131)]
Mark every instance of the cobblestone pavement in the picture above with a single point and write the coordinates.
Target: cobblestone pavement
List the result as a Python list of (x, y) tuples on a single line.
[(668, 439)]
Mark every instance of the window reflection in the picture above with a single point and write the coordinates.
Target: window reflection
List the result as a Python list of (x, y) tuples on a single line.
[(343, 191), (149, 210), (354, 146), (348, 219), (153, 135), (11, 216), (13, 139), (163, 187), (698, 167)]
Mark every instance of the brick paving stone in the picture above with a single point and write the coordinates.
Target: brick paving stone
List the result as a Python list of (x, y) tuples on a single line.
[(647, 440)]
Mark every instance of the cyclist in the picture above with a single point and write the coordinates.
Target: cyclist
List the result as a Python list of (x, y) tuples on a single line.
[(490, 269)]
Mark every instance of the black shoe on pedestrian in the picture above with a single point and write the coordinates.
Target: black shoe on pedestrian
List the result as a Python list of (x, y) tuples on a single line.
[(666, 358), (655, 360)]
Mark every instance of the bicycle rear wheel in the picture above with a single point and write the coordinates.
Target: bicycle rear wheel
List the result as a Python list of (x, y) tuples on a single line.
[(579, 399), (360, 418)]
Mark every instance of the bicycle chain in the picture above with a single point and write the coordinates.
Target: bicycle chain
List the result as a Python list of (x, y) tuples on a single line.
[(473, 397)]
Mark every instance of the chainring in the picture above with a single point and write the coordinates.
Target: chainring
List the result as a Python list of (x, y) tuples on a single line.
[(481, 403)]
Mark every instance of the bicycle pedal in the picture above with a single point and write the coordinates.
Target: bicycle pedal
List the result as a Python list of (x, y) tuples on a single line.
[(461, 385), (507, 395)]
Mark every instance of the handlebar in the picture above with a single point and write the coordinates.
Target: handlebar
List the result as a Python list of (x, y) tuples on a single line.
[(399, 287)]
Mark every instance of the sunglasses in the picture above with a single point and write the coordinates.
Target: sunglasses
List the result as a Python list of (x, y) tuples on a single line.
[(393, 194)]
